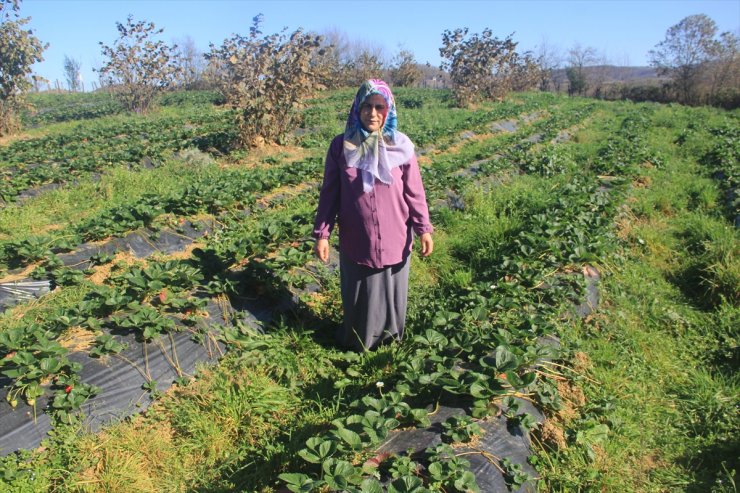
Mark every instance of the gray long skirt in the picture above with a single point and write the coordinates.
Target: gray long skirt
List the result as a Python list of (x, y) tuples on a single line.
[(374, 303)]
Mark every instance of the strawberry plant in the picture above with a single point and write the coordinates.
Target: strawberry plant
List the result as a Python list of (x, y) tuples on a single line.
[(31, 361), (70, 395), (460, 429), (106, 344), (449, 472), (514, 474), (144, 320)]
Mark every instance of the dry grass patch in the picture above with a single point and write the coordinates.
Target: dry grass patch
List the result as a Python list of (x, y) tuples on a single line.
[(289, 191), (257, 156), (25, 273), (140, 455), (77, 339), (9, 139), (102, 272)]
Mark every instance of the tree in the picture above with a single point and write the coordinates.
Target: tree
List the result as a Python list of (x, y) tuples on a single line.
[(342, 62), (265, 79), (366, 61), (549, 59), (578, 58), (687, 46), (405, 71), (9, 5), (191, 63), (72, 73), (20, 49), (599, 75), (138, 67), (724, 72), (481, 66), (330, 62)]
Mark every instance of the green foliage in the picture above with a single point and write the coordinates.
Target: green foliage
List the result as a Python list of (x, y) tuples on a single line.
[(460, 429), (504, 277), (577, 82), (63, 107), (20, 50)]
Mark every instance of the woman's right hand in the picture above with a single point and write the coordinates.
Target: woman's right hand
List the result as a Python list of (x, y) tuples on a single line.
[(322, 249)]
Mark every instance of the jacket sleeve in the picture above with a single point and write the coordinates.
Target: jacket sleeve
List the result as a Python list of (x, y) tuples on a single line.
[(326, 214), (413, 192)]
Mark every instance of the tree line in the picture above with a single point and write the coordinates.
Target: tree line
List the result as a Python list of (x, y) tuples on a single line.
[(266, 78)]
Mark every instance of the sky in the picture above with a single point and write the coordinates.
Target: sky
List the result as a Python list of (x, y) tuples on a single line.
[(622, 31)]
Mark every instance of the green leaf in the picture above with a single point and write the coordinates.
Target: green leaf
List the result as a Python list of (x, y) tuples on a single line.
[(594, 434), (50, 365), (371, 485), (300, 483), (467, 483), (505, 359), (350, 437), (480, 391), (407, 484)]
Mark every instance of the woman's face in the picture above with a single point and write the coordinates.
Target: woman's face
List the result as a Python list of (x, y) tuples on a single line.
[(373, 112)]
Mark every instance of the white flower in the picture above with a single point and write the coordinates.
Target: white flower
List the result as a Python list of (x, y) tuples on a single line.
[(380, 385)]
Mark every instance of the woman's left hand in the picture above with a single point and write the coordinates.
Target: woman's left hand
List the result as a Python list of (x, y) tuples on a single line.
[(427, 244)]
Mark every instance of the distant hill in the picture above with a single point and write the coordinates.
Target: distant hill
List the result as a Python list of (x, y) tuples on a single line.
[(613, 73)]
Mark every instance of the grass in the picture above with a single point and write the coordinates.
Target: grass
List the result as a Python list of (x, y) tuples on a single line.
[(73, 203), (664, 347)]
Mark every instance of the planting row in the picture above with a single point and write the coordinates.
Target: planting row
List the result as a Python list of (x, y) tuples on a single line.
[(211, 192)]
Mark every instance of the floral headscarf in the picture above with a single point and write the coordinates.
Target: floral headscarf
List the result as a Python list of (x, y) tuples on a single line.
[(375, 153)]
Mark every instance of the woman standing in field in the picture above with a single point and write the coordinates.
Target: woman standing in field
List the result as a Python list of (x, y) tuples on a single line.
[(372, 182)]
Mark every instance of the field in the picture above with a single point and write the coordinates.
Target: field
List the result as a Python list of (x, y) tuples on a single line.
[(583, 292)]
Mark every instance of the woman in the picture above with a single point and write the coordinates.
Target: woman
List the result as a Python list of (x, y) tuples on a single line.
[(372, 182)]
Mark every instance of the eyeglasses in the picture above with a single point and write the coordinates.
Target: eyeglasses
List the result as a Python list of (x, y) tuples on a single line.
[(367, 107)]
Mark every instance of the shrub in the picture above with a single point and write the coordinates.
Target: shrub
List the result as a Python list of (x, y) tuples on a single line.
[(265, 79), (20, 50), (482, 66), (405, 71), (138, 68)]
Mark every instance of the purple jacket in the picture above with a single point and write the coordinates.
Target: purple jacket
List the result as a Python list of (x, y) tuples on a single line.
[(375, 228)]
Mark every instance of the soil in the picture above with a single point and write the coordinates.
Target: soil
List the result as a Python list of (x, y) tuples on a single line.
[(573, 399), (551, 432)]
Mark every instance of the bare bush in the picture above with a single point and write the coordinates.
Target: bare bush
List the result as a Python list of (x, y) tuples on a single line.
[(331, 60), (138, 67), (265, 79), (722, 79), (482, 66), (20, 49), (404, 70)]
